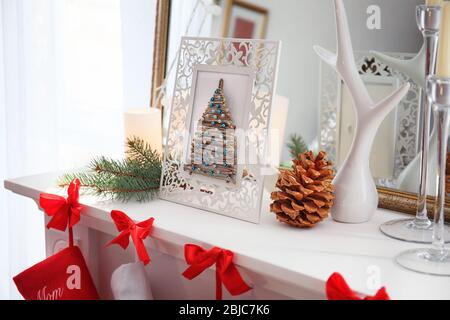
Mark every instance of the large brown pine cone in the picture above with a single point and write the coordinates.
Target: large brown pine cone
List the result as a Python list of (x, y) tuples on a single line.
[(305, 194)]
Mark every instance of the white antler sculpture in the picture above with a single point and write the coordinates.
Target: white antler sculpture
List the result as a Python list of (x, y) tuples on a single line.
[(356, 193), (413, 68)]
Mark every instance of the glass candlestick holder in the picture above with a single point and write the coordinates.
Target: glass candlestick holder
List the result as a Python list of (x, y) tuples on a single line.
[(420, 229), (436, 259)]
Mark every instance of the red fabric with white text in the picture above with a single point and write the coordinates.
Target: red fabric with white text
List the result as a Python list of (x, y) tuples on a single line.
[(63, 276)]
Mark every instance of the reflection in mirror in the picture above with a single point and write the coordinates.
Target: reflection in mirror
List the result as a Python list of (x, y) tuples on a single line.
[(320, 109), (396, 143), (243, 19), (382, 158)]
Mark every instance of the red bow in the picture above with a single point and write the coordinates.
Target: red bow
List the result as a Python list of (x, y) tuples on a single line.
[(338, 289), (226, 272), (138, 233), (64, 212)]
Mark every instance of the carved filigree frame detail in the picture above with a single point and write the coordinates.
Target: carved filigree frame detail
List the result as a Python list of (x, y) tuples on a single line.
[(243, 202)]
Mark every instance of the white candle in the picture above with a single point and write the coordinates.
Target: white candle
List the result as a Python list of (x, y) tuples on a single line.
[(443, 59), (433, 2), (144, 123), (277, 130)]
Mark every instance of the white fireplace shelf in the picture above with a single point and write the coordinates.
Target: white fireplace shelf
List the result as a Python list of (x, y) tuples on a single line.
[(290, 262)]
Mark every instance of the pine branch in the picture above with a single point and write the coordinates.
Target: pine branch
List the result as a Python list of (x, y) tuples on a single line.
[(140, 151), (296, 145), (87, 179), (125, 168), (135, 178)]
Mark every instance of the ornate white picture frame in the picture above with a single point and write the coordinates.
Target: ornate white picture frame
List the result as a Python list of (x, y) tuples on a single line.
[(259, 60)]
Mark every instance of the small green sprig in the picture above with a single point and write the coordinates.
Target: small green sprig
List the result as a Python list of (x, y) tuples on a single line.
[(135, 178), (296, 145)]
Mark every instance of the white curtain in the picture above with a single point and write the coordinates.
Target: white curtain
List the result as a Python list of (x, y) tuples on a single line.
[(61, 103)]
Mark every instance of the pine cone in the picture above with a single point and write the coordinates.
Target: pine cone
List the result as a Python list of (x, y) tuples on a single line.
[(305, 194)]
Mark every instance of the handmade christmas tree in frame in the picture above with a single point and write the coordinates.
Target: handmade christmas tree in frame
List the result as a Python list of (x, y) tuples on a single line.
[(214, 147), (214, 156)]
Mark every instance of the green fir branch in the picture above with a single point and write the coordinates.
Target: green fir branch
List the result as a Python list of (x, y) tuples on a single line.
[(140, 151), (135, 178), (296, 145)]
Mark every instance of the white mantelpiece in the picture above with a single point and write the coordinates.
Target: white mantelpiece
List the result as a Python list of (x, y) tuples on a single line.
[(277, 260)]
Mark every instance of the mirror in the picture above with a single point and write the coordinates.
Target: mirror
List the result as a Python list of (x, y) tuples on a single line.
[(320, 109), (396, 142)]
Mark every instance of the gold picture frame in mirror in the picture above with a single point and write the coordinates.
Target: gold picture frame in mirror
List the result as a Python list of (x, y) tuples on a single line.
[(242, 19)]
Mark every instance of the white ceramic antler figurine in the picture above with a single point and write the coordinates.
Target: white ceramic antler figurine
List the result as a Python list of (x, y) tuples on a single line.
[(414, 68), (356, 193)]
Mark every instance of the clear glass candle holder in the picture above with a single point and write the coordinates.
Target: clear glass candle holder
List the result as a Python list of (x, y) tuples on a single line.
[(420, 229), (435, 259)]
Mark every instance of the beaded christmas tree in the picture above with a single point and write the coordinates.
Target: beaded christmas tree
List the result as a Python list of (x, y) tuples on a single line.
[(213, 149)]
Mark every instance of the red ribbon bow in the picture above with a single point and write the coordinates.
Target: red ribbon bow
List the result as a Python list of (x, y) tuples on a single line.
[(338, 289), (226, 272), (138, 233), (64, 211)]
